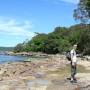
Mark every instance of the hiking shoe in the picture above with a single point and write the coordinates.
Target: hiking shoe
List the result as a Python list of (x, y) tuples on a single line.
[(73, 81)]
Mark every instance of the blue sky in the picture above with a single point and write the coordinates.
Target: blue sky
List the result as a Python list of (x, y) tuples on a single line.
[(19, 19)]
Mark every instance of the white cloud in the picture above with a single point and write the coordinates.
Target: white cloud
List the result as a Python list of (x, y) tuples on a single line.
[(67, 1), (71, 1), (15, 28)]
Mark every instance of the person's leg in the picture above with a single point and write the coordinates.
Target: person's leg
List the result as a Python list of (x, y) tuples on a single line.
[(75, 70), (69, 78), (72, 72), (73, 79)]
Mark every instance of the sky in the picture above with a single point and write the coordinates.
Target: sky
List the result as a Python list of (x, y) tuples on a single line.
[(20, 19)]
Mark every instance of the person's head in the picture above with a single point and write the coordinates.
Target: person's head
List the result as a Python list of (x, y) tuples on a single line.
[(75, 46)]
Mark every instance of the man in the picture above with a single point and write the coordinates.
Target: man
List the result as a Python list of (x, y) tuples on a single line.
[(73, 64)]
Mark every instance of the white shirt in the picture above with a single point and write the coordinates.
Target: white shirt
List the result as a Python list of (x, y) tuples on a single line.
[(73, 55)]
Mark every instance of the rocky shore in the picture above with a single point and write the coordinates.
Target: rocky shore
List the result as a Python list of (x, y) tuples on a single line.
[(49, 73), (33, 54)]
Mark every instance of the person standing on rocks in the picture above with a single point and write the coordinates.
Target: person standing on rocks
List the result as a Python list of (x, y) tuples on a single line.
[(73, 64)]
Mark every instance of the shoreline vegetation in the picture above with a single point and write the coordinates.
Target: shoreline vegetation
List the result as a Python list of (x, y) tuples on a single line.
[(59, 41)]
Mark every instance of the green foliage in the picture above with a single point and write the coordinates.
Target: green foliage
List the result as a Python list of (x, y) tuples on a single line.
[(18, 48), (59, 41), (84, 42), (82, 12), (36, 44), (50, 46)]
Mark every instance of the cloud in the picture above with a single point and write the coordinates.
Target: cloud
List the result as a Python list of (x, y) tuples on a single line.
[(15, 28), (71, 1), (67, 1)]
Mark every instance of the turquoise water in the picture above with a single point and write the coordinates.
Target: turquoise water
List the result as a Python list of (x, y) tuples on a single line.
[(8, 58)]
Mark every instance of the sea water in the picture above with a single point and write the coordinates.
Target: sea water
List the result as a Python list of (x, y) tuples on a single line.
[(9, 58)]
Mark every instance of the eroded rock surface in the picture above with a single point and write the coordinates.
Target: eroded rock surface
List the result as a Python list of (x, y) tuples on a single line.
[(46, 74)]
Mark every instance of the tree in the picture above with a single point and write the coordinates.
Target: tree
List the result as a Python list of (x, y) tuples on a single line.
[(58, 41), (18, 48), (51, 46), (36, 44), (82, 12), (84, 42)]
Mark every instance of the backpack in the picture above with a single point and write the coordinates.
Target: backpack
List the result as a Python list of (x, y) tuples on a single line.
[(68, 56)]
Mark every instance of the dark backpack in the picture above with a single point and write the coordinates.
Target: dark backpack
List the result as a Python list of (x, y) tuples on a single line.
[(68, 56)]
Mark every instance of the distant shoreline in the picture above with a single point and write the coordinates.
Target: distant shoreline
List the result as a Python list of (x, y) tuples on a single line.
[(35, 54)]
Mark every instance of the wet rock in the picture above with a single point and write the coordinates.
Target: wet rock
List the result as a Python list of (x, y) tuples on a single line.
[(39, 74), (61, 85), (12, 85), (2, 71), (16, 75), (84, 81), (38, 84)]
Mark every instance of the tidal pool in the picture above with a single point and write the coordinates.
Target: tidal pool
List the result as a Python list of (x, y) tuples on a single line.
[(38, 84)]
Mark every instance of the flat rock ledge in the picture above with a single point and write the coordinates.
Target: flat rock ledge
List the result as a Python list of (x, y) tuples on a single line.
[(33, 75)]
